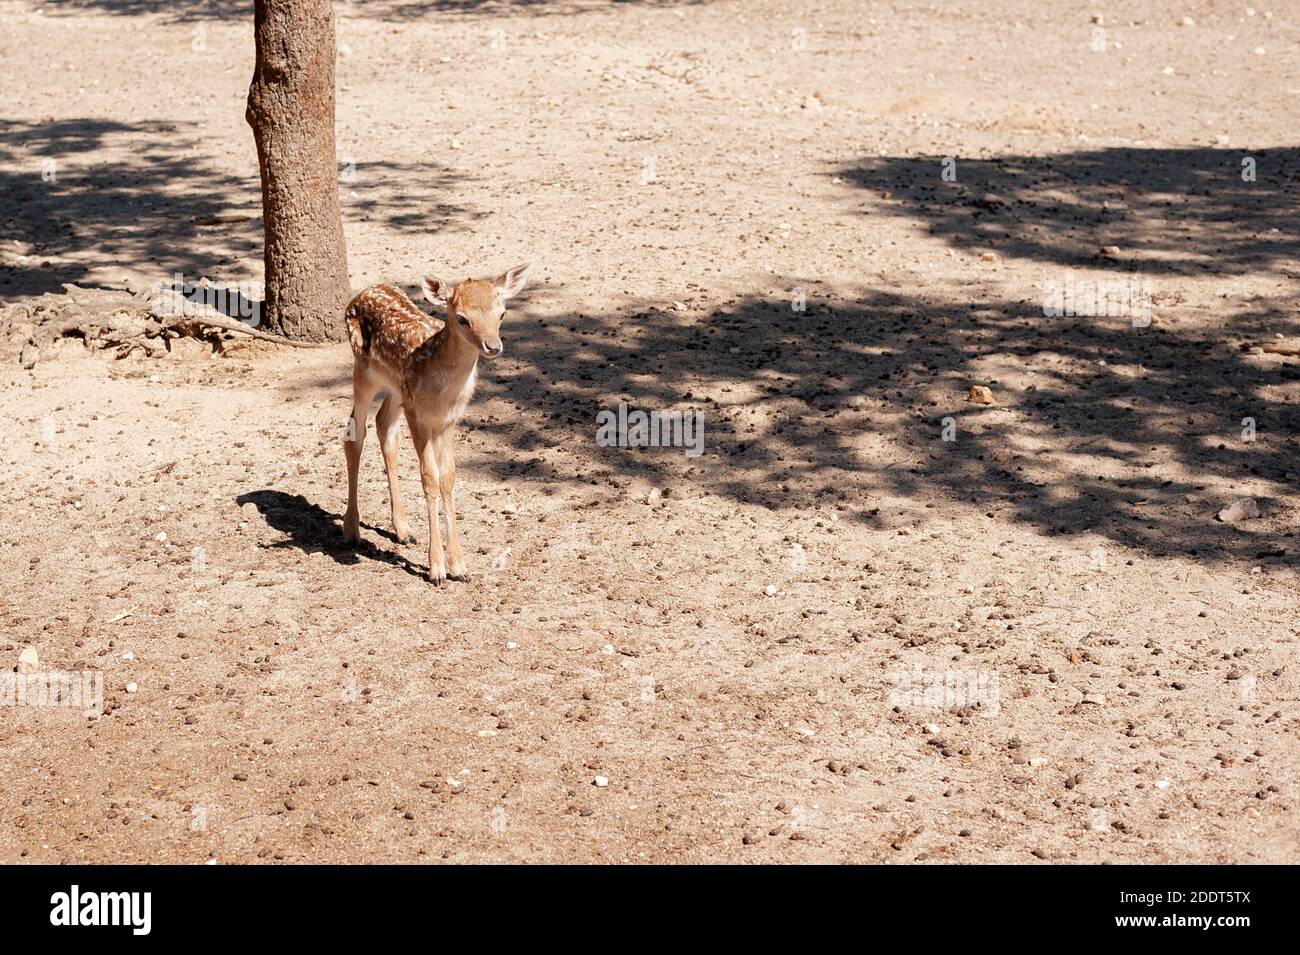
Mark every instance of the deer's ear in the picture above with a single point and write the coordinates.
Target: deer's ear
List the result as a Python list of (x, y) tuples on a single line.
[(511, 282), (435, 290)]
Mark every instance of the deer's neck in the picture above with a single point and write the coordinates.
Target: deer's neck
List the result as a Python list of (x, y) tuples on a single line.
[(461, 353), (447, 357)]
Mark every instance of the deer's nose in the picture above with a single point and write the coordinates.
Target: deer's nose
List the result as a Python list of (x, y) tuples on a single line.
[(493, 350)]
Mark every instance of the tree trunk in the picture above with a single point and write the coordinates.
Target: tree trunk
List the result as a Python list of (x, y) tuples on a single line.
[(291, 110)]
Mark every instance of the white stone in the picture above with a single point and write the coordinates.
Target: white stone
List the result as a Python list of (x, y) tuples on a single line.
[(1242, 509)]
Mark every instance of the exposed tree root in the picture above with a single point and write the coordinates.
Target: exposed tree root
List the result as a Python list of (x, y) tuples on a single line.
[(1277, 348), (125, 322)]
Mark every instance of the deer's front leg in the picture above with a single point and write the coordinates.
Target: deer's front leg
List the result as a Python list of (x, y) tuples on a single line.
[(446, 454), (429, 479)]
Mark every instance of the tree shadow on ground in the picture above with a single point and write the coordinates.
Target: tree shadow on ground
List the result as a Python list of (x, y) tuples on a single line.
[(417, 9), (81, 194), (1134, 433), (172, 10), (86, 195), (178, 11), (1099, 427), (1169, 211), (406, 197)]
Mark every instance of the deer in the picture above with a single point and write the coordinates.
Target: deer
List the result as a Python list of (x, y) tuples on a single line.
[(426, 367)]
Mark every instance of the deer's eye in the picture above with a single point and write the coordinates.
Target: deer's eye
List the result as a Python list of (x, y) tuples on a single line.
[(464, 321)]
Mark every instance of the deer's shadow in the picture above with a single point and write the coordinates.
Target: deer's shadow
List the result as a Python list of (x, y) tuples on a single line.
[(312, 529)]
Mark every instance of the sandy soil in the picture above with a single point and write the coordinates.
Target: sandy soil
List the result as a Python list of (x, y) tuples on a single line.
[(723, 639)]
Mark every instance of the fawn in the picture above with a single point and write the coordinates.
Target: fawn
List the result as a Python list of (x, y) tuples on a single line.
[(427, 368)]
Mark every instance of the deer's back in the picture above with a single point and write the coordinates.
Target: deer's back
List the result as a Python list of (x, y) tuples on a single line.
[(385, 327)]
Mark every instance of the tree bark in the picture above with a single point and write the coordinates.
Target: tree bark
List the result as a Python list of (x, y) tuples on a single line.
[(291, 110)]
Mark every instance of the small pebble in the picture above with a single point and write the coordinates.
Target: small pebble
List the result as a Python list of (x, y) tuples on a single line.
[(28, 661)]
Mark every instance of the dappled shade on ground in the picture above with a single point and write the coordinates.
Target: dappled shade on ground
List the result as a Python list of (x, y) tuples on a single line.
[(1169, 211), (1098, 426), (138, 203), (198, 10)]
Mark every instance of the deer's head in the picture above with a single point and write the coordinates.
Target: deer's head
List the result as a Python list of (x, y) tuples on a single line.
[(475, 307)]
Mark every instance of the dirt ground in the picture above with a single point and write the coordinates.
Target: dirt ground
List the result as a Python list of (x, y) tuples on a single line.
[(663, 657)]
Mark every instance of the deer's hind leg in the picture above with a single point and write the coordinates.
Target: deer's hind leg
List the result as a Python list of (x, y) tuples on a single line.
[(364, 389), (386, 425)]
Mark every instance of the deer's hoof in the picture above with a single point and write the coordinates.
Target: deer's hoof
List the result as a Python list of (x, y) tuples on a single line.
[(460, 577), (404, 537), (352, 530), (437, 577)]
